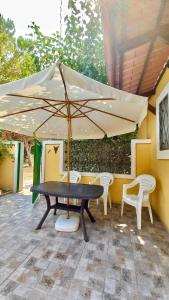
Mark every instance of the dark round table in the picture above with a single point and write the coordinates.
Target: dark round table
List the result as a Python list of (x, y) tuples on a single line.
[(83, 192)]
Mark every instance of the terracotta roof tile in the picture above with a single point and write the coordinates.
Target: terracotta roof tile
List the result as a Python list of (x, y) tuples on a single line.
[(141, 32)]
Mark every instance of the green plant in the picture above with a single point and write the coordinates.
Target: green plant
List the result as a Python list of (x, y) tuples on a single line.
[(14, 62), (83, 41), (5, 150)]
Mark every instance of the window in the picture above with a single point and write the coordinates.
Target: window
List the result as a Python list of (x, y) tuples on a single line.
[(163, 124), (164, 128)]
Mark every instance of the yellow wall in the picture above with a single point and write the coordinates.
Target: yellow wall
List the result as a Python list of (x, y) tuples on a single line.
[(143, 159), (158, 167), (7, 171), (52, 162)]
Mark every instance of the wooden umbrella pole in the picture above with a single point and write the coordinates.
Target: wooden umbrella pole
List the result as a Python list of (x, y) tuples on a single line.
[(68, 163), (67, 101)]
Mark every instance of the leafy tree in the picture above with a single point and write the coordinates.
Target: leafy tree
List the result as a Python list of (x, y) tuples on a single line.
[(7, 26), (13, 63), (83, 42), (81, 47), (44, 49), (4, 150)]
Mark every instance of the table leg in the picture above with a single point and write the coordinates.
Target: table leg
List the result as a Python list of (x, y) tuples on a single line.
[(88, 212), (45, 214), (83, 221), (56, 201)]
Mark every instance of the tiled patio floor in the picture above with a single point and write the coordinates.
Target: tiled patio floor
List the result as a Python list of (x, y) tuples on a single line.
[(117, 263)]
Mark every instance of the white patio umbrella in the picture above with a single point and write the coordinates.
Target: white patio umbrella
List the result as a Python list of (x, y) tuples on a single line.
[(61, 103), (44, 102)]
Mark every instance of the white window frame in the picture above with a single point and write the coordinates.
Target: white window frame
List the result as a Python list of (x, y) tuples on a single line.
[(132, 175), (161, 154)]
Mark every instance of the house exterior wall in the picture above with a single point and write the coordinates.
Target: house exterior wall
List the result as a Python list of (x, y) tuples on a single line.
[(157, 167)]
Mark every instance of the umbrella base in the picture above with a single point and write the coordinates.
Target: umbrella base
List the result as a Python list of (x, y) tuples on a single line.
[(67, 225)]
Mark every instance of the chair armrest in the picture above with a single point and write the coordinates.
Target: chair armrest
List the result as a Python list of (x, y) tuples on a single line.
[(128, 186), (111, 182)]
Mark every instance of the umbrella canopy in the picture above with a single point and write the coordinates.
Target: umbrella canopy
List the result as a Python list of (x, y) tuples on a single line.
[(47, 101)]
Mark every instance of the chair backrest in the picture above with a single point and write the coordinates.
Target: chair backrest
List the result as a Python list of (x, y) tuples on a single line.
[(147, 183), (75, 176), (106, 179)]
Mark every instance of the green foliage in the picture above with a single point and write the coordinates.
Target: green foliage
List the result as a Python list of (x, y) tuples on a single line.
[(4, 150), (106, 155), (42, 48), (81, 48), (83, 42), (7, 26), (13, 63)]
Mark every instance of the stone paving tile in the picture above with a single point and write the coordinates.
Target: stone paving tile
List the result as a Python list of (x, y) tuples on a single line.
[(119, 262)]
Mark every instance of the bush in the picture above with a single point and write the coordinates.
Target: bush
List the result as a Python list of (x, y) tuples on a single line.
[(5, 150)]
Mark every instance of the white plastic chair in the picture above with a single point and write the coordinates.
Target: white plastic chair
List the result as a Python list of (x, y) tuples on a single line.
[(75, 177), (147, 184), (105, 179)]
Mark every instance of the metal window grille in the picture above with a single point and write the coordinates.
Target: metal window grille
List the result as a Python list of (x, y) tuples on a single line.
[(164, 123)]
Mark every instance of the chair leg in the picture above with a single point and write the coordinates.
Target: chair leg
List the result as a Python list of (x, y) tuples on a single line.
[(150, 213), (138, 212), (122, 207), (110, 204), (105, 205), (97, 201), (75, 201)]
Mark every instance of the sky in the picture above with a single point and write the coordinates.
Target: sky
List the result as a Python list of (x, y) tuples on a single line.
[(46, 14)]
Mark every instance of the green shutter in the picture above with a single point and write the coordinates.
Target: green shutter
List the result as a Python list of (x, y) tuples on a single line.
[(37, 166)]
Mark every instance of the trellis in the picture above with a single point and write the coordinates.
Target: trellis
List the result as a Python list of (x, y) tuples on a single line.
[(107, 155)]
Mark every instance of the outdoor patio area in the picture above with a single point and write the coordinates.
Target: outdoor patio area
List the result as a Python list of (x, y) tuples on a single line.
[(84, 150), (118, 262)]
